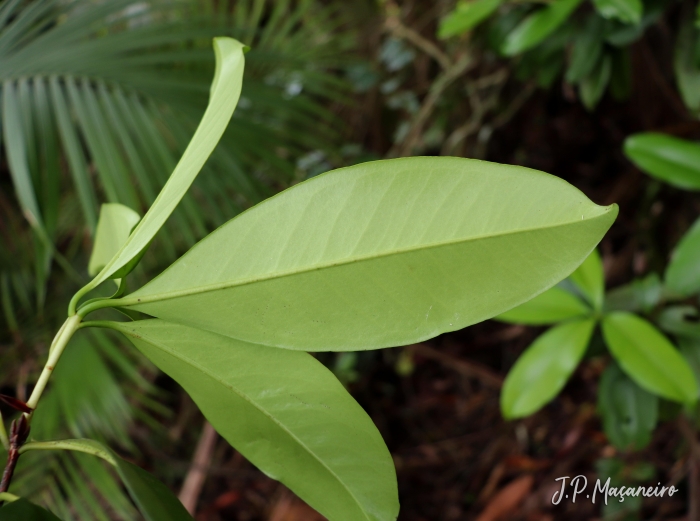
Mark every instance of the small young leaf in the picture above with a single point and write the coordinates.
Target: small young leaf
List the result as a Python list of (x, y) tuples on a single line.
[(113, 228), (23, 510), (590, 279), (543, 369), (627, 11), (670, 159), (629, 412), (648, 357), (380, 254), (550, 307), (285, 412), (683, 272), (225, 91), (640, 295), (466, 16), (538, 26)]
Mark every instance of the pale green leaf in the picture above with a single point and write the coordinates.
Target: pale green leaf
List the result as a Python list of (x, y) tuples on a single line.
[(538, 26), (543, 369), (153, 499), (466, 16), (627, 11), (23, 510), (554, 305), (648, 357), (590, 280), (113, 228), (683, 272), (629, 413), (285, 412), (681, 321), (225, 91), (380, 254), (667, 158)]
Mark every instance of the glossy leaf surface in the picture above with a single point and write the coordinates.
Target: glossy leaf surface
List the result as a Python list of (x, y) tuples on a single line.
[(590, 279), (667, 158), (627, 11), (629, 413), (380, 254), (648, 357), (550, 307), (538, 26), (285, 412), (466, 16), (543, 369), (683, 272), (225, 91), (113, 228), (23, 510)]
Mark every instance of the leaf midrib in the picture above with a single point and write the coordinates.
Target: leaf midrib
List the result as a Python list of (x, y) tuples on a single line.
[(243, 396), (135, 298)]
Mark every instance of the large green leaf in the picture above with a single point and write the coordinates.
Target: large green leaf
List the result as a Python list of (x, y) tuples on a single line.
[(648, 357), (629, 412), (380, 254), (153, 499), (23, 510), (590, 279), (544, 367), (466, 16), (113, 228), (554, 305), (225, 91), (683, 272), (627, 11), (670, 159), (285, 412), (538, 26)]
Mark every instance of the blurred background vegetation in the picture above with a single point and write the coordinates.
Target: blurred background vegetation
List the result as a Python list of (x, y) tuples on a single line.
[(99, 99)]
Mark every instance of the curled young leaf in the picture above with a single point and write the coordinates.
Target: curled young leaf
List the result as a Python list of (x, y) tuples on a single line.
[(113, 228), (225, 91), (380, 254), (285, 412)]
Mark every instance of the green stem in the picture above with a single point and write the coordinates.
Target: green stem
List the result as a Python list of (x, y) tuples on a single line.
[(57, 346), (68, 445), (3, 435)]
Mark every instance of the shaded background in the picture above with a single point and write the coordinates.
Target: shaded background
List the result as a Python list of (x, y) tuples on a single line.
[(107, 104)]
